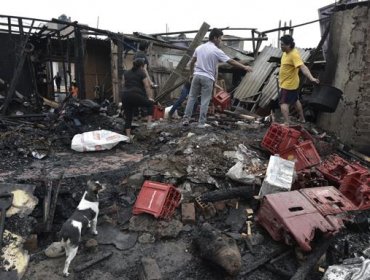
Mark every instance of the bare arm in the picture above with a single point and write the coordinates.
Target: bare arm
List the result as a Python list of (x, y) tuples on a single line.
[(147, 73), (308, 74), (148, 88), (239, 65)]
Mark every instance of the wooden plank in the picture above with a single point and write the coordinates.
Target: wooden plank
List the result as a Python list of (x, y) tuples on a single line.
[(176, 74)]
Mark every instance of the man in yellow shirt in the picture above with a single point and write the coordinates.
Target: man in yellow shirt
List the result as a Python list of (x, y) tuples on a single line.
[(291, 63)]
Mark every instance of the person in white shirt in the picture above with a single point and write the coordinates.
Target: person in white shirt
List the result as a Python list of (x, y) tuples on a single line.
[(203, 68)]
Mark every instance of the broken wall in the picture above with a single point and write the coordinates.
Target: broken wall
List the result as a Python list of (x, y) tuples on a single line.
[(348, 68), (9, 53)]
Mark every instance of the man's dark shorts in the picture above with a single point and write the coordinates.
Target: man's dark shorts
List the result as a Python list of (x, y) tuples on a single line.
[(287, 96)]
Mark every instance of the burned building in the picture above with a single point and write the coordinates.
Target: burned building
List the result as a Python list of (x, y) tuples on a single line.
[(348, 69), (180, 202)]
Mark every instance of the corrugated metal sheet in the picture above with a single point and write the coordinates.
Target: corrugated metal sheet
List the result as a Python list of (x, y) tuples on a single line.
[(252, 82), (270, 90)]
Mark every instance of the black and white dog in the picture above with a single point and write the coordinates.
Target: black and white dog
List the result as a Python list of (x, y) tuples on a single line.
[(85, 216)]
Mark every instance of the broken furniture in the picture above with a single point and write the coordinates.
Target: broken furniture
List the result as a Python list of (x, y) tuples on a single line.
[(157, 199), (301, 214)]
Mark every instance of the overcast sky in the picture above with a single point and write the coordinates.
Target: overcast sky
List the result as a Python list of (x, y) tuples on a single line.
[(154, 16)]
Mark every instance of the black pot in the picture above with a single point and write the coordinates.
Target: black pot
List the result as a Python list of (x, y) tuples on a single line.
[(325, 98)]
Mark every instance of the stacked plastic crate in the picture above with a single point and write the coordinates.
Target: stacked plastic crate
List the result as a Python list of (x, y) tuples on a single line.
[(290, 143)]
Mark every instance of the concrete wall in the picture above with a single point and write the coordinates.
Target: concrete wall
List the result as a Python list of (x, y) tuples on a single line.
[(348, 68)]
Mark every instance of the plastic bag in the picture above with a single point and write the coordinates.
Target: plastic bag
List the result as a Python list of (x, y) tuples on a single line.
[(97, 140)]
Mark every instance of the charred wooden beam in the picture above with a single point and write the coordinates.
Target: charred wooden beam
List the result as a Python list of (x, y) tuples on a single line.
[(34, 83), (246, 192), (312, 259), (63, 62), (47, 198), (195, 31), (263, 260), (53, 204), (80, 61), (225, 39), (99, 258), (26, 47)]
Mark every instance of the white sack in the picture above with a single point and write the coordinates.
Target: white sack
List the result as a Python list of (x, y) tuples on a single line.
[(97, 140)]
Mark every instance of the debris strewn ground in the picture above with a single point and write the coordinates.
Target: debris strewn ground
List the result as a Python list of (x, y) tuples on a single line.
[(195, 161)]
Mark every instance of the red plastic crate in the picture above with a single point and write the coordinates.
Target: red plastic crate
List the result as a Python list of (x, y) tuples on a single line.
[(328, 200), (335, 169), (290, 214), (222, 100), (158, 112), (279, 138), (304, 154), (157, 199), (356, 187)]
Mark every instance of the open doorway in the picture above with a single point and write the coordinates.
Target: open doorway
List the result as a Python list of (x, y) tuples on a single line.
[(62, 76)]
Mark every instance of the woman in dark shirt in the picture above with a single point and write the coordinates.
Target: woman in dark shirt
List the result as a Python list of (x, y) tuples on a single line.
[(133, 96)]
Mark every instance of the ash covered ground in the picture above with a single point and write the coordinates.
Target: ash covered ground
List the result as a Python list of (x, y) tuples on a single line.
[(192, 159)]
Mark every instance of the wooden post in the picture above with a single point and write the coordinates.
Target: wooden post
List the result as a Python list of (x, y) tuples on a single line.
[(114, 68), (184, 61), (63, 64), (80, 63)]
